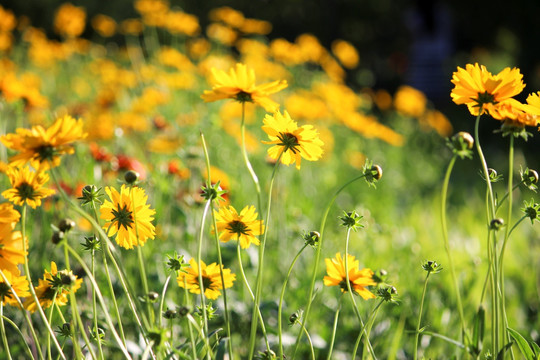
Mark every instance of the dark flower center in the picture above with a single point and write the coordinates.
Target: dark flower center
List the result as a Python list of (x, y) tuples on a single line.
[(485, 98), (49, 294), (238, 227), (207, 282), (25, 191), (343, 285), (5, 291), (45, 152), (122, 216), (289, 141), (243, 97)]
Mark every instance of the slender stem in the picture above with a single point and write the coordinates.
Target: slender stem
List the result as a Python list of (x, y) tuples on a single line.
[(484, 166), (31, 286), (503, 199), (370, 321), (101, 301), (351, 294), (444, 195), (334, 329), (318, 258), (259, 315), (312, 350), (26, 347), (190, 328), (218, 248), (201, 284), (361, 333), (417, 334), (25, 314), (162, 300), (51, 312), (94, 308), (3, 330), (280, 306)]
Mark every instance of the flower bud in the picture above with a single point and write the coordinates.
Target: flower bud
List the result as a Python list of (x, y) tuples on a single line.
[(312, 238), (431, 267), (183, 311), (57, 237), (153, 296), (66, 224), (170, 314), (90, 194), (496, 224), (131, 177), (67, 278)]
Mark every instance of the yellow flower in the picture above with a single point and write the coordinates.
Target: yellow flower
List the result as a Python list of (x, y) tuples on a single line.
[(54, 287), (346, 53), (18, 283), (104, 25), (128, 216), (26, 186), (410, 101), (211, 279), (476, 87), (358, 279), (242, 227), (43, 147), (291, 142), (11, 247), (239, 84), (69, 20), (513, 112), (8, 214)]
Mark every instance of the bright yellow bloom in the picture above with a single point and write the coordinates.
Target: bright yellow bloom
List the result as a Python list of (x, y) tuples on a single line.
[(69, 20), (242, 227), (239, 84), (476, 87), (513, 112), (410, 101), (346, 53), (104, 25), (358, 279), (43, 147), (11, 247), (18, 283), (8, 214), (291, 142), (128, 216), (53, 288), (26, 186), (211, 278)]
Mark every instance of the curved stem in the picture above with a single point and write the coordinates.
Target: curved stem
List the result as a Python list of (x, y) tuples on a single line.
[(417, 334), (190, 327), (310, 344), (349, 290), (334, 329), (94, 309), (318, 258), (162, 300), (484, 167), (201, 284), (31, 286), (3, 330), (444, 194), (361, 333), (280, 306), (26, 347), (503, 199)]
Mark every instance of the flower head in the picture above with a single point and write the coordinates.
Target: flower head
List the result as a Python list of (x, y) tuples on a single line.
[(11, 247), (243, 227), (476, 87), (54, 287), (128, 216), (239, 84), (43, 147), (211, 278), (26, 186), (358, 279), (15, 283), (291, 142)]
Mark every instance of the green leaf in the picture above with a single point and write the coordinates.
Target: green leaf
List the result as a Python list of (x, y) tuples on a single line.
[(523, 345), (500, 355), (222, 349)]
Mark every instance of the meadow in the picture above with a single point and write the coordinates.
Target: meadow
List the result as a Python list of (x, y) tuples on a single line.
[(212, 194)]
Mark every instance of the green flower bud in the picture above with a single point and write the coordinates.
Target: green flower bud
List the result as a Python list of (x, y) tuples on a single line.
[(57, 237), (496, 224), (131, 177), (66, 224), (431, 267)]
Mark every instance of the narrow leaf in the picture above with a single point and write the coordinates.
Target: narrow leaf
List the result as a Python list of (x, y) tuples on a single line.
[(522, 344)]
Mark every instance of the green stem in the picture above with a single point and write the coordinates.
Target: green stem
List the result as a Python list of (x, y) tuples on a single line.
[(94, 308), (503, 199), (312, 350), (417, 334), (351, 294), (31, 286), (25, 314), (280, 306), (252, 296), (444, 195), (101, 301), (190, 328), (334, 329), (484, 166), (361, 333), (218, 248), (318, 258), (26, 347), (3, 330), (162, 300), (201, 284)]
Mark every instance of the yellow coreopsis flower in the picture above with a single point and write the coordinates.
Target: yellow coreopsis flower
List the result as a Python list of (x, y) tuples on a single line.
[(26, 186), (291, 142), (70, 20), (128, 216), (19, 285), (11, 247), (43, 147), (513, 112), (358, 279), (242, 227), (8, 214), (239, 84), (476, 87), (53, 288), (211, 278)]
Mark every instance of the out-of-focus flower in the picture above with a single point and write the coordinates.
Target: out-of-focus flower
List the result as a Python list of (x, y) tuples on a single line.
[(410, 101), (222, 33), (104, 25), (69, 20), (18, 283), (11, 247), (346, 53)]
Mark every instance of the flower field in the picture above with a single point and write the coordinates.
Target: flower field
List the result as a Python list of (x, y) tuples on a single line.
[(210, 193)]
